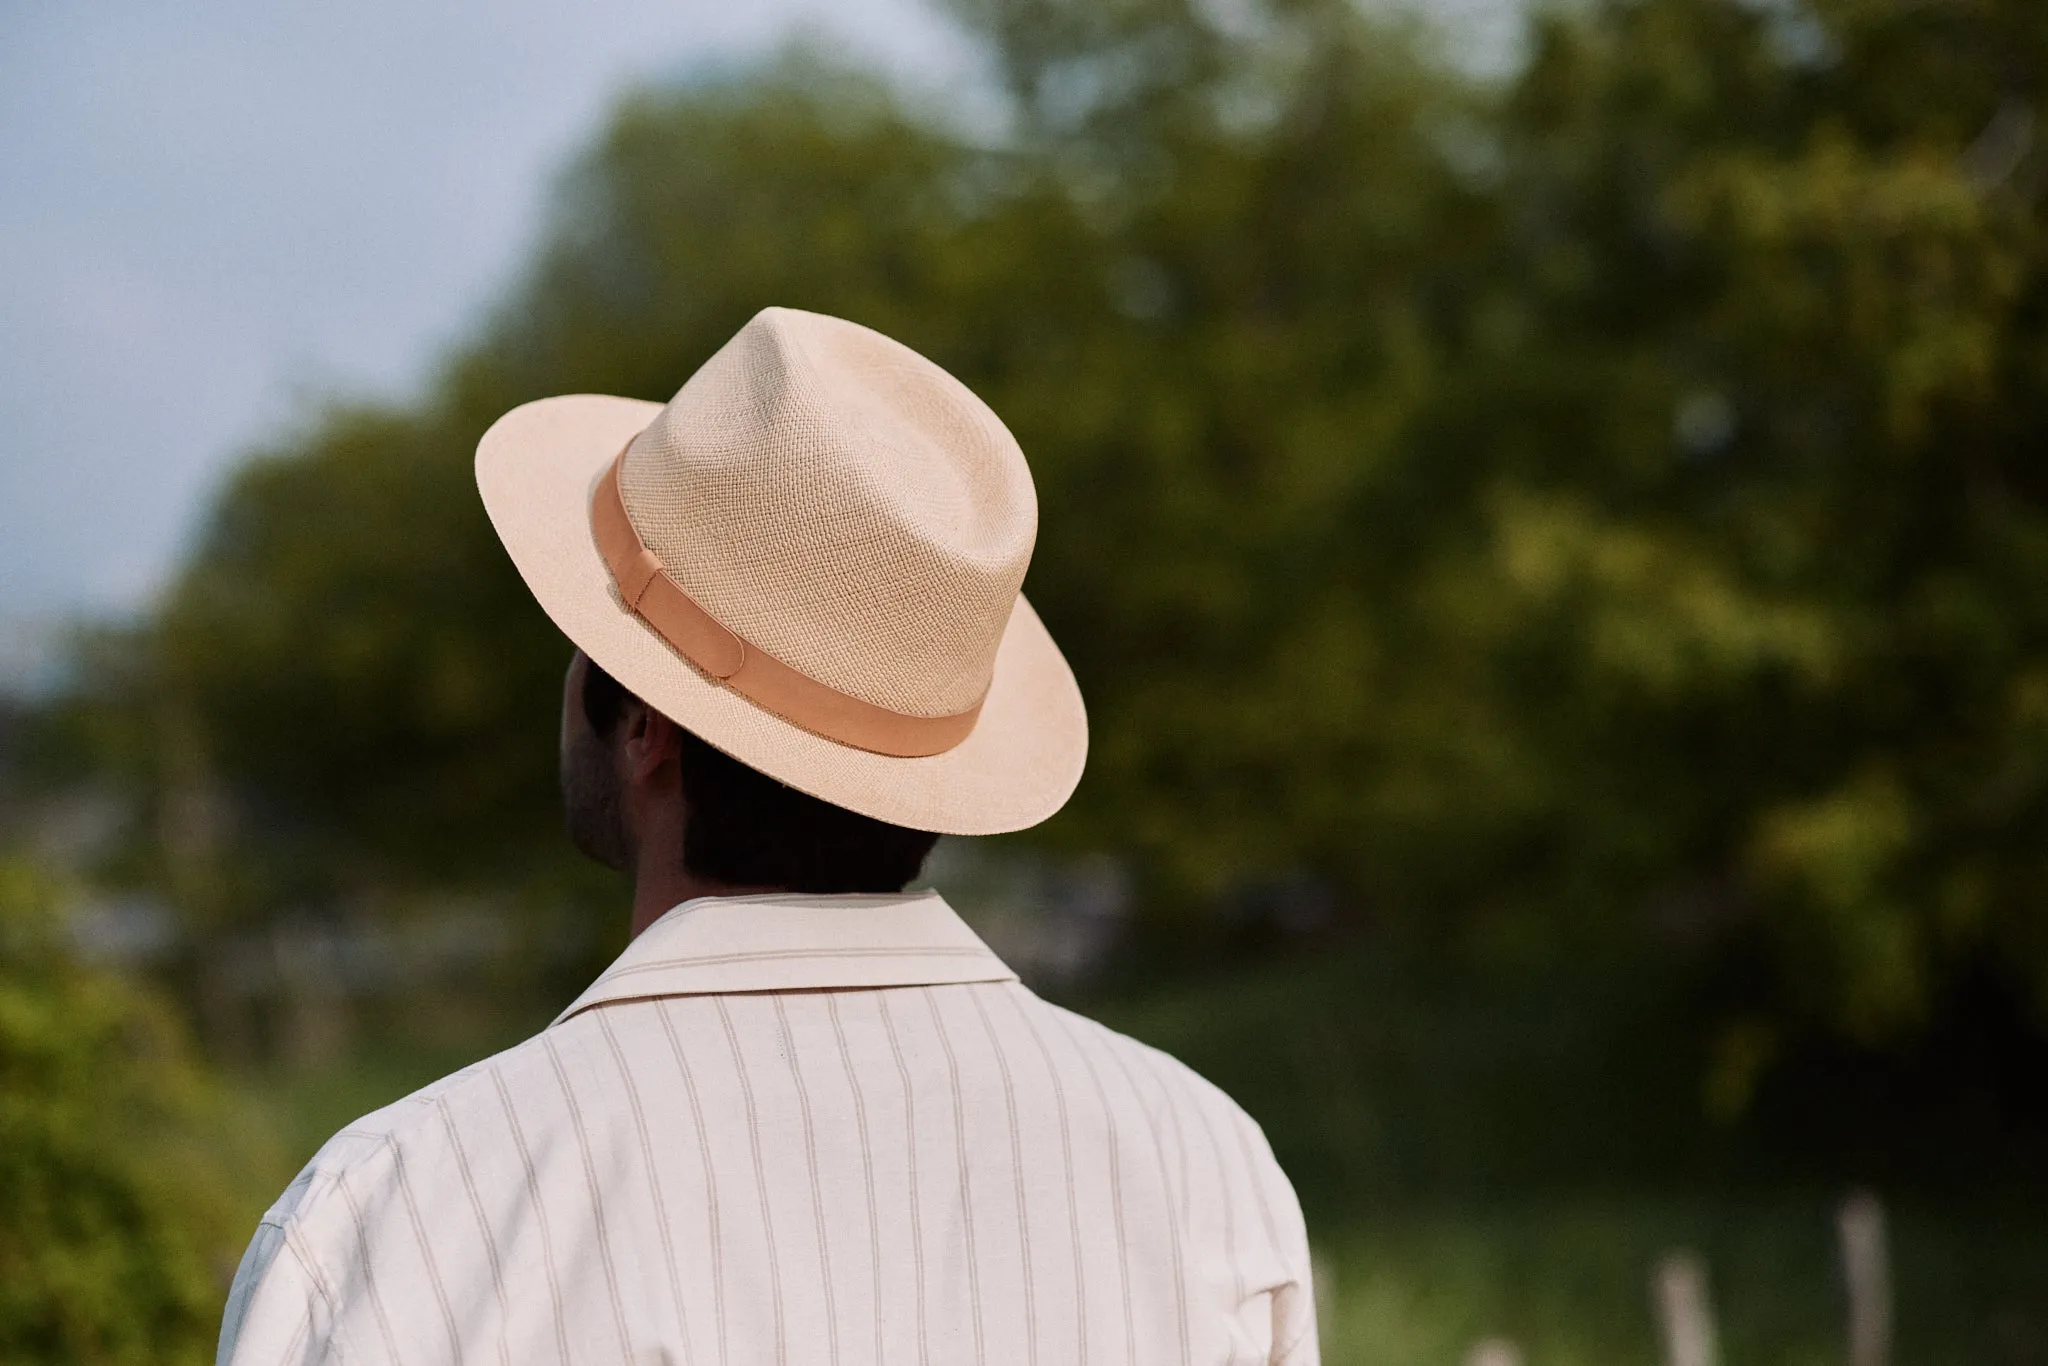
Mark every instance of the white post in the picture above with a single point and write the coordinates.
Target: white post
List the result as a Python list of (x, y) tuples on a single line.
[(1866, 1271), (1494, 1352), (1683, 1308)]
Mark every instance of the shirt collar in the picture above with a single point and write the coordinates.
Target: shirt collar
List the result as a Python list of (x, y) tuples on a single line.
[(788, 941)]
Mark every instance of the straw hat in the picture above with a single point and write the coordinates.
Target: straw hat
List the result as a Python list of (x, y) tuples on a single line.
[(810, 557)]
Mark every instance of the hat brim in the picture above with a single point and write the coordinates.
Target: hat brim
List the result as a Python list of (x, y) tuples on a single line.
[(536, 468)]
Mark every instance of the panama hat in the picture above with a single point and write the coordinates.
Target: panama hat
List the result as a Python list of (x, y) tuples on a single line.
[(810, 557)]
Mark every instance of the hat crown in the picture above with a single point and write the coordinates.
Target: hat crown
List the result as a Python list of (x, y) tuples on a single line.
[(839, 501)]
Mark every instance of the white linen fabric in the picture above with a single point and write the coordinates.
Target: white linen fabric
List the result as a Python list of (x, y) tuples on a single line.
[(792, 1129)]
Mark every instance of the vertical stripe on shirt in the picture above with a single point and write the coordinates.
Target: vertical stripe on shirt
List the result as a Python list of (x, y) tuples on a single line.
[(702, 1138), (1059, 1100), (540, 1216), (494, 1266), (1173, 1222), (867, 1167), (1116, 1189), (1010, 1122), (739, 1062), (974, 1306), (419, 1233), (596, 1193), (803, 1097), (653, 1170), (366, 1267), (910, 1157)]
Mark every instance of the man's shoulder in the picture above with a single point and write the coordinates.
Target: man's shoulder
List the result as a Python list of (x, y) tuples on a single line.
[(1106, 1047), (371, 1149)]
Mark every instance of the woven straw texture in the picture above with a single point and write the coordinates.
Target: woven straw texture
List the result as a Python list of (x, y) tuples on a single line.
[(844, 504), (860, 515)]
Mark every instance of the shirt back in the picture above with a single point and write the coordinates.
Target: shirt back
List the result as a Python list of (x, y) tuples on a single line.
[(751, 1141)]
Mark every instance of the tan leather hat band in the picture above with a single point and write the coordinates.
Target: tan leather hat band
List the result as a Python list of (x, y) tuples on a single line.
[(752, 672)]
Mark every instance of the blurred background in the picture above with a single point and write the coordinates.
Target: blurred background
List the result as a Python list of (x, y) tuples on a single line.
[(1538, 498)]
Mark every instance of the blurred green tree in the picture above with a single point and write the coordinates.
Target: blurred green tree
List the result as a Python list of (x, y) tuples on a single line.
[(1756, 418), (118, 1222), (1551, 513)]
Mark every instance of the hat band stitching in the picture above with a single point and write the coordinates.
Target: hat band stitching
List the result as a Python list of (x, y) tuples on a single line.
[(658, 600)]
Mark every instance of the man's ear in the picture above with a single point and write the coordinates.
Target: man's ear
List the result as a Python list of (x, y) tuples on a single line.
[(649, 741)]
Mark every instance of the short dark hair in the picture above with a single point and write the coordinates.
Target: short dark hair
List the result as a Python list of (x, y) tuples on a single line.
[(749, 830)]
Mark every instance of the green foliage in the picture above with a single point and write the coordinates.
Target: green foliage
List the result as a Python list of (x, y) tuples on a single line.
[(1733, 218), (1498, 1155), (1568, 1281), (117, 1223), (1542, 513)]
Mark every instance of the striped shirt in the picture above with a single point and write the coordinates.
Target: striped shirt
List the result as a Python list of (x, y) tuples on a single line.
[(792, 1129)]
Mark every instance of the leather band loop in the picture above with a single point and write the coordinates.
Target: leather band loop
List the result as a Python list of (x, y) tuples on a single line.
[(747, 670)]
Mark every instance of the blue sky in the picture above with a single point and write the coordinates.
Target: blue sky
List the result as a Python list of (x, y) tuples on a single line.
[(212, 215)]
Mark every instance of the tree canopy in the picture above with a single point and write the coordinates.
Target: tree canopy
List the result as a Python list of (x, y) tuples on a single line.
[(111, 1251), (1548, 512)]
